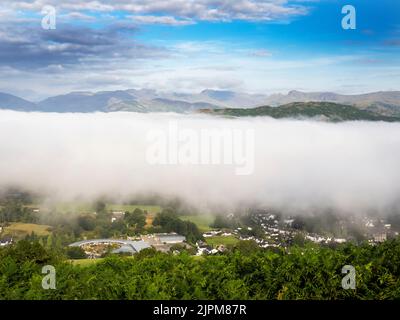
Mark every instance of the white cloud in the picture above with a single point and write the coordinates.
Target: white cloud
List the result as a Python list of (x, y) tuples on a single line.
[(76, 15), (195, 66), (164, 20), (209, 10)]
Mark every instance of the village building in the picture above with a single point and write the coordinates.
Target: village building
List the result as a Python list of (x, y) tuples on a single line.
[(6, 241), (97, 247), (170, 238), (117, 215)]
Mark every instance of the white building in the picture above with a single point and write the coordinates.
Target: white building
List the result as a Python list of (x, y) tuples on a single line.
[(170, 238)]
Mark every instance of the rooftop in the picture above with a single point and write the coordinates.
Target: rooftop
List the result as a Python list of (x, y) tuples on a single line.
[(135, 245)]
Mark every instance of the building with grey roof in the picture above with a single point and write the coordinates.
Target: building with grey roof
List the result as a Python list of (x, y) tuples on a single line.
[(170, 238), (126, 245)]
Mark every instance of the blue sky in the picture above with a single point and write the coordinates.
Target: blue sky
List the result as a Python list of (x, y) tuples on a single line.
[(263, 46)]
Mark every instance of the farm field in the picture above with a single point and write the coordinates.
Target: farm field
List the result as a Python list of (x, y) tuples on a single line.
[(69, 207), (218, 240), (85, 207), (202, 222), (20, 230), (85, 262), (127, 207)]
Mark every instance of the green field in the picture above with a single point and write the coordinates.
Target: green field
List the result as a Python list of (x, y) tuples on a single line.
[(203, 222), (85, 262), (127, 207), (226, 241), (86, 207), (20, 230), (332, 111), (71, 207)]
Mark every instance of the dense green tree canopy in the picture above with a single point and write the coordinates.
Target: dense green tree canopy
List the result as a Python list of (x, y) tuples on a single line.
[(309, 272)]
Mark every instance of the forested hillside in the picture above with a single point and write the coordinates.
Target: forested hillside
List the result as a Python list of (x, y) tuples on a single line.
[(324, 110)]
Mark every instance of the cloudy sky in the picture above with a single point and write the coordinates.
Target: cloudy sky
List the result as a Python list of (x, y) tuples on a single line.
[(262, 46)]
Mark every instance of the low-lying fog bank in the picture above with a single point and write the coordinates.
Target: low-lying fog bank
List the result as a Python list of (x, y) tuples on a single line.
[(352, 166)]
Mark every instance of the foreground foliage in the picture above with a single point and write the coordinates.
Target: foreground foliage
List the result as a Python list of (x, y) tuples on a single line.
[(310, 272)]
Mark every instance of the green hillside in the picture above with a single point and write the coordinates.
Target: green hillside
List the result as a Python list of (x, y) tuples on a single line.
[(325, 110)]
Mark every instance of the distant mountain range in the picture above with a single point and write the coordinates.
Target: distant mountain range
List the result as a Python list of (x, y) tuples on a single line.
[(327, 111), (385, 103), (133, 100), (8, 101)]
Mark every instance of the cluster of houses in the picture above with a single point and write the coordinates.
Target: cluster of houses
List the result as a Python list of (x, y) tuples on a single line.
[(205, 249), (215, 233), (281, 234), (324, 240), (378, 230), (276, 235)]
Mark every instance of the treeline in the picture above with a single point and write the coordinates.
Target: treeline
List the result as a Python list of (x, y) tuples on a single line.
[(133, 223), (14, 211), (101, 225), (168, 221), (247, 272)]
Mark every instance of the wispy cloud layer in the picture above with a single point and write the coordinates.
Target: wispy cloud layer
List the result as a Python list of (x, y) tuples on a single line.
[(209, 10), (31, 48), (262, 46)]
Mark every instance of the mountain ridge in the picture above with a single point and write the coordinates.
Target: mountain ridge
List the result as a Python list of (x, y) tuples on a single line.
[(382, 102), (385, 103), (327, 111), (9, 101)]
